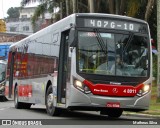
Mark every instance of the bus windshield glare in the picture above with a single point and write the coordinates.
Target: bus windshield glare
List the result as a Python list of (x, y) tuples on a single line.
[(2, 72), (112, 54)]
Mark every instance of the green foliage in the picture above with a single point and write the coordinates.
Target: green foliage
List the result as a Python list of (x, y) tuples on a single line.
[(13, 12), (153, 23), (133, 7), (25, 2), (2, 26), (40, 10), (154, 66), (83, 6)]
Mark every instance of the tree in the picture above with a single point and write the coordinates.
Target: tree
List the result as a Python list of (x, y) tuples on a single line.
[(2, 26), (117, 6), (13, 12), (67, 7), (133, 7), (74, 6), (92, 7), (149, 9)]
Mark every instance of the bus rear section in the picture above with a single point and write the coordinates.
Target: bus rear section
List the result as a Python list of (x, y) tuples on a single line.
[(93, 62)]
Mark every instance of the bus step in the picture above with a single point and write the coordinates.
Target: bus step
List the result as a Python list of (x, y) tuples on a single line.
[(63, 100)]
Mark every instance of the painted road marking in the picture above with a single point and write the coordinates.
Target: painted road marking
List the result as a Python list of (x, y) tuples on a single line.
[(4, 108)]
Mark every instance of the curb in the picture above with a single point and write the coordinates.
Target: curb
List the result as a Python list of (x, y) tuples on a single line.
[(141, 115)]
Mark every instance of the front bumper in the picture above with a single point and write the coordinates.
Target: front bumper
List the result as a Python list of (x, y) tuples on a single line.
[(78, 98)]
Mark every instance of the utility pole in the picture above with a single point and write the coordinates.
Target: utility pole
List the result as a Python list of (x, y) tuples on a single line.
[(158, 45)]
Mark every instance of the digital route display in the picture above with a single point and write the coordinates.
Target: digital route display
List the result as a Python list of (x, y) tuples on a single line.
[(116, 24)]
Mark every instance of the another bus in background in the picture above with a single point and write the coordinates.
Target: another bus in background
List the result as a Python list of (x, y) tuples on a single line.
[(3, 65), (4, 48)]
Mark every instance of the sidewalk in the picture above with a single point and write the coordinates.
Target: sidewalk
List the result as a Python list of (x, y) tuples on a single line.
[(148, 113)]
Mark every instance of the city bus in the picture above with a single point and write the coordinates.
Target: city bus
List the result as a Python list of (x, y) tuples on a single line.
[(86, 61), (3, 65)]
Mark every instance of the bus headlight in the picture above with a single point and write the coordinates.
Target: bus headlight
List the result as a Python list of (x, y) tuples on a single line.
[(145, 89), (78, 83), (82, 87)]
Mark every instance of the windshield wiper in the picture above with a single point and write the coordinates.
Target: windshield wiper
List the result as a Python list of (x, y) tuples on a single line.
[(101, 42), (128, 42)]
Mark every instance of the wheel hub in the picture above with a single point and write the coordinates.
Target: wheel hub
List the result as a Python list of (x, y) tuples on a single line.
[(50, 100), (16, 98)]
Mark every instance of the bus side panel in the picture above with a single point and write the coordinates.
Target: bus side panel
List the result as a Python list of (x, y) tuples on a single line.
[(38, 66)]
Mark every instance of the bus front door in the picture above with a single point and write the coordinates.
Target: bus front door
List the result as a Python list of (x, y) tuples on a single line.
[(63, 68)]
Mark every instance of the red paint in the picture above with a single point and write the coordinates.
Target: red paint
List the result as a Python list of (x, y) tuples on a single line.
[(113, 90), (25, 90)]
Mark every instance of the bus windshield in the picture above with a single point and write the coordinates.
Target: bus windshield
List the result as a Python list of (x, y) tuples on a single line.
[(113, 54), (2, 72)]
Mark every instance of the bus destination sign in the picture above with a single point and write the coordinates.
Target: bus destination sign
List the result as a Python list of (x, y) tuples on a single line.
[(114, 24)]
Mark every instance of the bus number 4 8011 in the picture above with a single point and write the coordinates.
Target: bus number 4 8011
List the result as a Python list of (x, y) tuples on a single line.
[(129, 90)]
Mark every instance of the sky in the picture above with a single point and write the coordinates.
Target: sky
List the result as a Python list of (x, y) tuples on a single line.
[(6, 4)]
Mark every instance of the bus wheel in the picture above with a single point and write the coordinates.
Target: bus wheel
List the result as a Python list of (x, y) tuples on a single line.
[(51, 109), (17, 104), (114, 113)]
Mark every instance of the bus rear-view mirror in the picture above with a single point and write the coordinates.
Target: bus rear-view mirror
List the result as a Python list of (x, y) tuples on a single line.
[(72, 37)]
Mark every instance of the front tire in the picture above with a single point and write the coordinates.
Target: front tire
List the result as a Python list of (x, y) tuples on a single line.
[(51, 109), (17, 104)]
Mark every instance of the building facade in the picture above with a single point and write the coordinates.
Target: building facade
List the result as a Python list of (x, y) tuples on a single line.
[(19, 25), (7, 39), (23, 24), (11, 37)]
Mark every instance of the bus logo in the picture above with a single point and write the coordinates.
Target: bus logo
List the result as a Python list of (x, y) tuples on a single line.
[(115, 90)]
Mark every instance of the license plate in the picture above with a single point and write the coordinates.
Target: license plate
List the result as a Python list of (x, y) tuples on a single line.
[(113, 105)]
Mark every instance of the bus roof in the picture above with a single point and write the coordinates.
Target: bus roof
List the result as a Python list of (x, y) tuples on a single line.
[(110, 16), (66, 22)]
